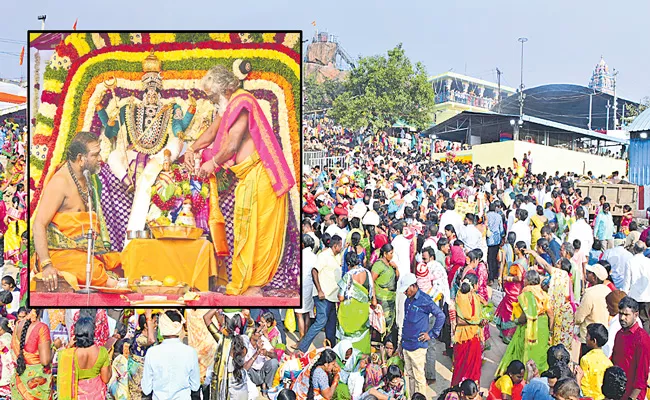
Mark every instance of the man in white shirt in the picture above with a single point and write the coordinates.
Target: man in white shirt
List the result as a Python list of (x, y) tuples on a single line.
[(637, 282), (326, 275), (521, 228), (263, 367), (471, 237), (451, 217), (618, 258), (582, 231), (171, 369), (402, 257), (530, 207)]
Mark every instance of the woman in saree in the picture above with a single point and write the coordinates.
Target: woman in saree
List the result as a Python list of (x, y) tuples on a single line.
[(476, 266), (16, 225), (467, 332), (357, 295), (560, 292), (530, 341), (355, 249), (224, 333), (385, 275), (350, 365), (7, 370), (392, 387), (512, 283), (143, 338), (32, 352), (537, 221), (454, 262), (85, 369), (379, 242), (389, 356), (118, 386), (319, 380)]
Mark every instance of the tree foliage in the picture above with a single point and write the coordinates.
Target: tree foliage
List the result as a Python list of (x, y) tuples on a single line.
[(632, 111), (319, 96), (383, 89)]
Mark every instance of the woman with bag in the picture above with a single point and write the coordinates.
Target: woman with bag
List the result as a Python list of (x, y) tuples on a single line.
[(385, 275), (357, 295)]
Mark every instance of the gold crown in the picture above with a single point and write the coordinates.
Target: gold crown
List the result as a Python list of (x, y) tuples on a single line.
[(151, 64)]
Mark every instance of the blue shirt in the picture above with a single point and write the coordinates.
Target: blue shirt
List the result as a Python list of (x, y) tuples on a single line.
[(171, 371), (495, 225), (555, 247), (416, 321)]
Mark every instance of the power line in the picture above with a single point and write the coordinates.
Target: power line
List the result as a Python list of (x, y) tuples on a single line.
[(13, 41)]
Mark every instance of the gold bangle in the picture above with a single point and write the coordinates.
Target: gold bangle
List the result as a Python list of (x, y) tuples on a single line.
[(215, 163), (46, 261)]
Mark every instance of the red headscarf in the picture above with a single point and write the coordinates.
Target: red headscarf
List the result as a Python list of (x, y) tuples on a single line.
[(380, 241)]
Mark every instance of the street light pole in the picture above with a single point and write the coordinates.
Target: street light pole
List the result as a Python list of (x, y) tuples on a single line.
[(42, 19), (521, 85)]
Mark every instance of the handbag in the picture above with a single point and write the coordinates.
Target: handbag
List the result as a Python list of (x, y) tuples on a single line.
[(377, 319), (290, 320)]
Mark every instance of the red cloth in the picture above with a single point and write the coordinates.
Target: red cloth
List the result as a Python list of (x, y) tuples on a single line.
[(380, 241), (101, 327), (467, 361), (632, 353)]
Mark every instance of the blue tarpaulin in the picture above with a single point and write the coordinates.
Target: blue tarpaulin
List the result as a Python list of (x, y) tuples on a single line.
[(640, 161)]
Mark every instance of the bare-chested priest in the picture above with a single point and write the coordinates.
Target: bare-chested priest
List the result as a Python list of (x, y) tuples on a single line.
[(62, 219)]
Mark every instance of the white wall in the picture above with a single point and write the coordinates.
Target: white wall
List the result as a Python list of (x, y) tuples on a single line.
[(545, 158)]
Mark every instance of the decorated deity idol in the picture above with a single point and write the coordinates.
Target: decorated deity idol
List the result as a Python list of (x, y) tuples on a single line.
[(141, 131)]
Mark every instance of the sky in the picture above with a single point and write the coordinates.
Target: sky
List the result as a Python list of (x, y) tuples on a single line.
[(566, 38)]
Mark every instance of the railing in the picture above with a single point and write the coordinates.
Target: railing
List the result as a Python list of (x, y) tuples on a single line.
[(465, 98), (307, 156), (328, 162)]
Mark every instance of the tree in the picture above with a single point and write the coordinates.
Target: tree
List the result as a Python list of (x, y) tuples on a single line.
[(383, 89), (320, 96), (632, 111)]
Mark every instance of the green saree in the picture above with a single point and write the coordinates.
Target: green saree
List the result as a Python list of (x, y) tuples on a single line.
[(530, 341), (385, 287), (354, 311)]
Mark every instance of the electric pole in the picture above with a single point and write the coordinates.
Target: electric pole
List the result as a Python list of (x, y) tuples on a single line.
[(608, 107), (521, 86), (498, 91), (591, 98), (615, 100)]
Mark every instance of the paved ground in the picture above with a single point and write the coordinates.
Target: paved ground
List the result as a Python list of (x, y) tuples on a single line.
[(443, 363)]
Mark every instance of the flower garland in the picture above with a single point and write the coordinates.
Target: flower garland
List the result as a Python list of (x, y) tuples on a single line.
[(181, 189), (37, 85)]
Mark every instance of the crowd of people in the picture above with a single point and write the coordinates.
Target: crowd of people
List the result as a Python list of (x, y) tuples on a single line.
[(398, 252)]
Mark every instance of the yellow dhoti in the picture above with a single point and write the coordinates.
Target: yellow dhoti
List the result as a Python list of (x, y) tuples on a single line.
[(67, 244), (260, 224)]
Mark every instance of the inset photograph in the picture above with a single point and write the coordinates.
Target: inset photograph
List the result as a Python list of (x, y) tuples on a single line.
[(165, 169)]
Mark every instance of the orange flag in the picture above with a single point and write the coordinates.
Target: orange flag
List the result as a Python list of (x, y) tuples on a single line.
[(74, 27), (313, 23), (22, 55)]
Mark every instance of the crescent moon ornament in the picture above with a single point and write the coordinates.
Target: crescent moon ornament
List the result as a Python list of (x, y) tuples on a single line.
[(110, 83)]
